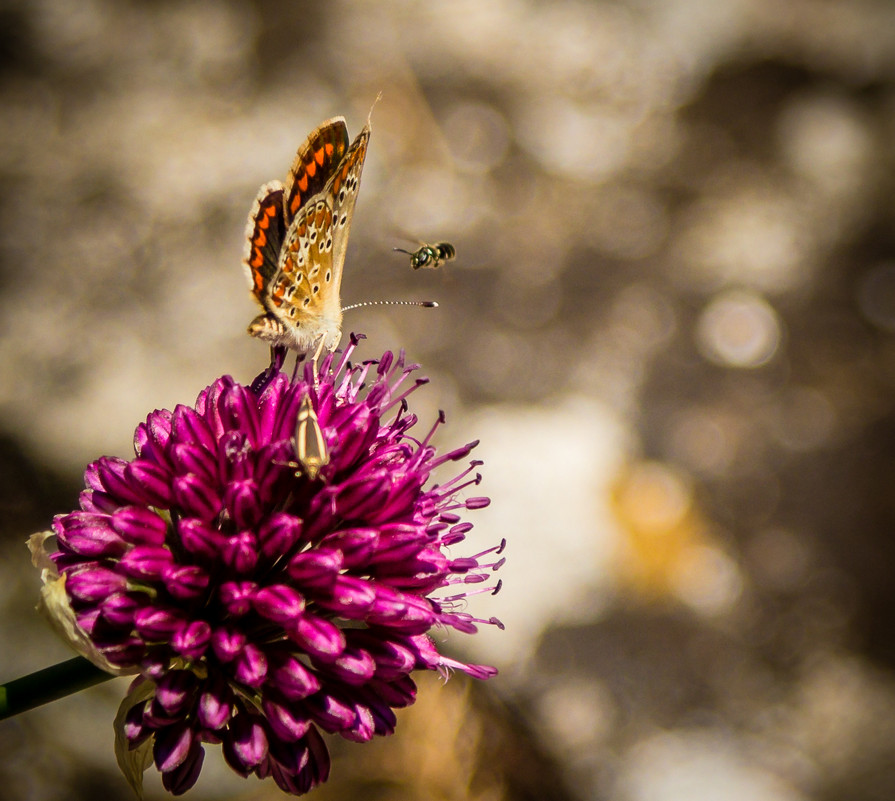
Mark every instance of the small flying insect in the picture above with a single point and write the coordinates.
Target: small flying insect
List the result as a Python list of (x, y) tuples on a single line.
[(430, 256), (309, 443)]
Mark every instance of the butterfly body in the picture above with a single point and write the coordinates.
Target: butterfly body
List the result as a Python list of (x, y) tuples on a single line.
[(297, 236), (430, 256)]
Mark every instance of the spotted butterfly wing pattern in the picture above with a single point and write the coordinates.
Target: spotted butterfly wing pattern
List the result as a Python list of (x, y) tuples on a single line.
[(276, 205), (297, 236)]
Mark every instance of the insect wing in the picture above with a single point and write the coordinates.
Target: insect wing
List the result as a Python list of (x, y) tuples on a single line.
[(310, 444), (298, 236), (314, 164), (264, 238)]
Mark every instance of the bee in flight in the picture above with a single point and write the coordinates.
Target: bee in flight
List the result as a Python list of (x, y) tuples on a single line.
[(430, 256)]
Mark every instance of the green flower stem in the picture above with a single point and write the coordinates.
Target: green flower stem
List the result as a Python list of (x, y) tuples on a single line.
[(49, 684)]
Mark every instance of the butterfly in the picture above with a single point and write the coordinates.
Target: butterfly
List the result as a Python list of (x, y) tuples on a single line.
[(297, 234), (430, 256)]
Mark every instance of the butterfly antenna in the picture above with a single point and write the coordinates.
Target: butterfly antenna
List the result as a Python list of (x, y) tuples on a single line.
[(426, 304), (370, 114), (401, 250)]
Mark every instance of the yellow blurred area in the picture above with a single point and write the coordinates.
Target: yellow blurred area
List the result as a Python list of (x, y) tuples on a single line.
[(666, 548), (440, 736)]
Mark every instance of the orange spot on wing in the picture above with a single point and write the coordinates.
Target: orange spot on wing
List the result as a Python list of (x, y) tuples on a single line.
[(329, 148), (311, 168), (320, 154), (303, 182), (260, 238)]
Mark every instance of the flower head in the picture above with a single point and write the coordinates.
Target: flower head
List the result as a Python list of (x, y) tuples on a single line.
[(263, 600)]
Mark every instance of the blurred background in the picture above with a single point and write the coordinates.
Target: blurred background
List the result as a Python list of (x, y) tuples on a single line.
[(671, 322)]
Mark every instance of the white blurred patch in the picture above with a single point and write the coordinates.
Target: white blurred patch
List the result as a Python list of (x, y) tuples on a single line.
[(578, 714), (707, 580), (738, 329), (595, 137), (749, 231), (696, 766), (825, 140), (547, 471)]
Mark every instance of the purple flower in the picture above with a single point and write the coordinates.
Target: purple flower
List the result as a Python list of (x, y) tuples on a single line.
[(260, 600)]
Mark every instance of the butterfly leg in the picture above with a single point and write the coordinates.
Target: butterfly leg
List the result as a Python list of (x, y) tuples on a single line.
[(317, 354), (277, 357)]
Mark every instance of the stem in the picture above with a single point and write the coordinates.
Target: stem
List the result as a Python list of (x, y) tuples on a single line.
[(48, 685)]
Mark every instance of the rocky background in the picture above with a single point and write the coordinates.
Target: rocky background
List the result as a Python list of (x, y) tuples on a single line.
[(671, 321)]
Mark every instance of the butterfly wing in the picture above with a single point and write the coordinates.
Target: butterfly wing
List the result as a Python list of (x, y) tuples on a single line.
[(343, 188), (276, 205), (316, 161), (264, 238), (302, 298)]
